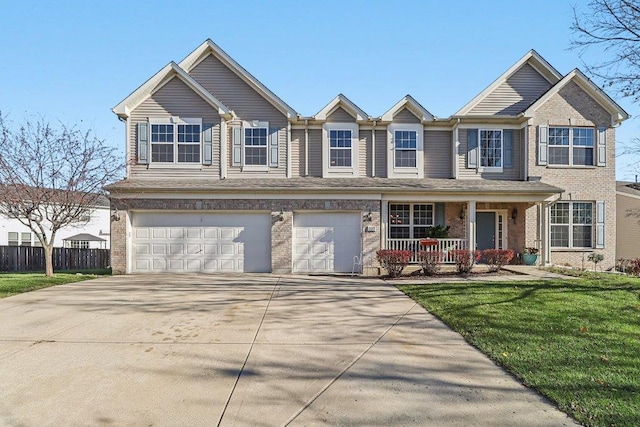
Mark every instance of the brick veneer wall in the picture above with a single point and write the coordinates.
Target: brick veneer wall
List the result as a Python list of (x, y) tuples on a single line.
[(571, 106), (281, 231)]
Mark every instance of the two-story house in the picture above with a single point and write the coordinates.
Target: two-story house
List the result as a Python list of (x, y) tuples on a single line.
[(223, 175)]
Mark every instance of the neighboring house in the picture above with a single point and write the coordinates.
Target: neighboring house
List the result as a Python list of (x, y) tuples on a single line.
[(223, 175), (91, 232), (628, 220)]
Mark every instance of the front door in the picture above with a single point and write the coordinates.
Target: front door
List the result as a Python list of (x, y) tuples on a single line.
[(486, 230)]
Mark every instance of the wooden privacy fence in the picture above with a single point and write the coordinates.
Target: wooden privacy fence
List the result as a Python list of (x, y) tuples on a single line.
[(26, 258)]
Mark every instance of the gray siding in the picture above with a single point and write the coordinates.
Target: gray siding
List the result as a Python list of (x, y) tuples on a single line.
[(315, 152), (515, 95), (405, 116), (437, 154), (514, 173), (364, 154), (297, 153), (340, 116), (628, 230), (233, 92), (381, 153), (174, 99)]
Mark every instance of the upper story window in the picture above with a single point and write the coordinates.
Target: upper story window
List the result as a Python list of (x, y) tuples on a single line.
[(410, 221), (176, 142), (571, 146), (255, 146), (340, 149), (491, 148), (572, 225), (406, 148), (406, 153)]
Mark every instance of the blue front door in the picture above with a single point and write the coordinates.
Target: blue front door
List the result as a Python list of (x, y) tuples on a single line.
[(486, 230)]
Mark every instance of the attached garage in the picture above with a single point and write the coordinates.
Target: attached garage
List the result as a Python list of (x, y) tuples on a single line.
[(326, 242), (201, 242)]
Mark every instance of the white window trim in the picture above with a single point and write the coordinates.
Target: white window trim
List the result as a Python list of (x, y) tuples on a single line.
[(411, 225), (255, 124), (340, 171), (490, 169), (571, 224), (594, 143), (405, 172), (175, 121)]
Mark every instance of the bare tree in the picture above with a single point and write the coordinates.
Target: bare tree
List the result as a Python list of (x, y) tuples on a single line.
[(612, 29), (51, 176)]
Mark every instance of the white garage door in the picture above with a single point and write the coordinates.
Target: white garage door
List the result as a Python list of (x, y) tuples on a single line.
[(325, 242), (203, 242)]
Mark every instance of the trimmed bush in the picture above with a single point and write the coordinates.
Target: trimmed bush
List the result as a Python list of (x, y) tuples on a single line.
[(497, 258), (393, 261), (464, 259), (430, 261)]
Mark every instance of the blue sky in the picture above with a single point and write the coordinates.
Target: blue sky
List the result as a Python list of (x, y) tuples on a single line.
[(74, 60)]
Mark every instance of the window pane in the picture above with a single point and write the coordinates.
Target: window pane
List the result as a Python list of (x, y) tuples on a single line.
[(582, 213), (420, 232), (583, 137), (162, 153), (161, 133), (256, 137), (560, 236), (398, 232), (583, 156), (559, 136), (340, 139), (559, 155), (560, 213), (491, 148), (188, 153), (255, 156), (340, 157), (398, 214), (188, 133), (405, 159), (423, 215), (581, 236), (405, 139)]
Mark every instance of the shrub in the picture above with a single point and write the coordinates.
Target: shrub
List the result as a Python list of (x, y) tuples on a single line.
[(393, 261), (595, 259), (464, 259), (635, 266), (430, 261), (497, 258)]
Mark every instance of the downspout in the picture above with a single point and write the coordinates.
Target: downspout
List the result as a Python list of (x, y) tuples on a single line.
[(223, 148), (525, 169), (127, 136), (454, 148), (288, 149), (373, 150), (306, 147)]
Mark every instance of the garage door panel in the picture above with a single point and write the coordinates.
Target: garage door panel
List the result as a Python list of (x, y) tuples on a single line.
[(179, 242), (159, 249), (326, 242)]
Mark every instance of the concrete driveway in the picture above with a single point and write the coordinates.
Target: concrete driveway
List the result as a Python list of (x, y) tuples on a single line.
[(256, 350)]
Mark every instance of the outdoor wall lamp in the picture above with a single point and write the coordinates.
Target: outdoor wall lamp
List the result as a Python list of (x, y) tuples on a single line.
[(368, 216), (461, 214), (514, 215), (115, 216), (280, 216)]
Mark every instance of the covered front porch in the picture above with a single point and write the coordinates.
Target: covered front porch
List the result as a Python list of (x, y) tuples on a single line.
[(489, 222)]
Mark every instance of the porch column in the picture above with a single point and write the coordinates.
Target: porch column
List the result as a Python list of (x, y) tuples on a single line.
[(471, 224), (545, 240)]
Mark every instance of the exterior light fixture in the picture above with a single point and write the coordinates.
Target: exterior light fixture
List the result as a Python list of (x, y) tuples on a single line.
[(368, 216), (514, 215)]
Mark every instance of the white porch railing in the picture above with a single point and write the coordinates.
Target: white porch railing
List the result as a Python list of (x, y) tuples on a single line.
[(413, 245)]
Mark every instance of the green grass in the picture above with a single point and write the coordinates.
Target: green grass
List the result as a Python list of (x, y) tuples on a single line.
[(576, 341), (17, 283)]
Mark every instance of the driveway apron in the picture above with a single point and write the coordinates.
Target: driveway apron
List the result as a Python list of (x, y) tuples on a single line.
[(256, 350)]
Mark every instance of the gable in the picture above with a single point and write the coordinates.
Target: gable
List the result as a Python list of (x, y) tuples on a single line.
[(234, 92), (340, 115), (514, 95), (175, 98), (576, 106), (405, 116)]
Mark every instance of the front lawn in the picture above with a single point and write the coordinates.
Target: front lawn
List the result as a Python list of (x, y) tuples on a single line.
[(17, 283), (576, 341)]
